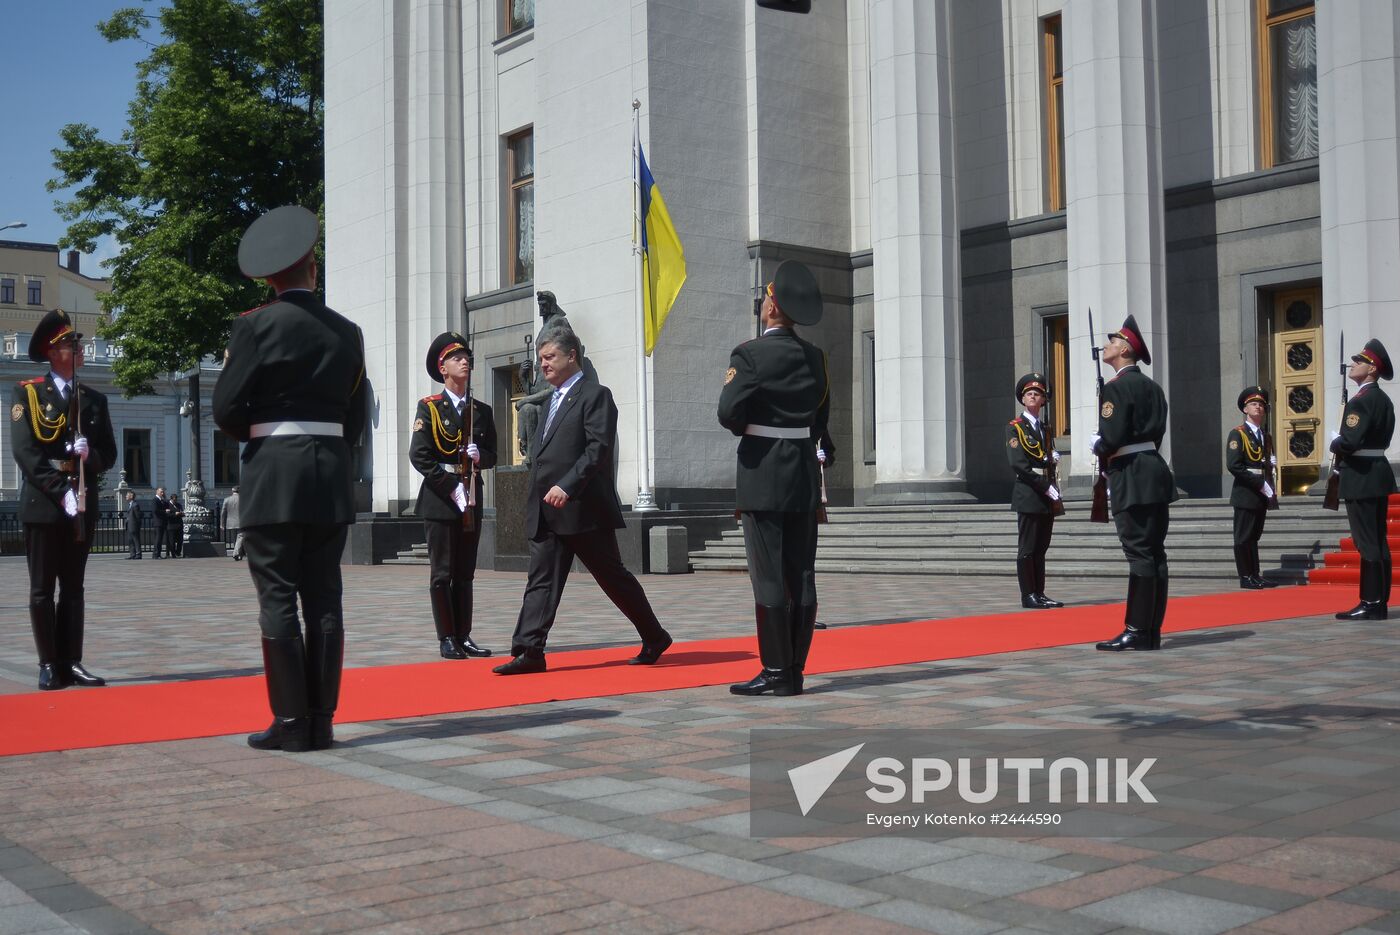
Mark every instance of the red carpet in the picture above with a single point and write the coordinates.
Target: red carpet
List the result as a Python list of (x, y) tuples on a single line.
[(80, 718), (1344, 567)]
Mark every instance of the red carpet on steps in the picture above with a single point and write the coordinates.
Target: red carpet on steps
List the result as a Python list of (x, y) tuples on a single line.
[(78, 718), (1344, 567)]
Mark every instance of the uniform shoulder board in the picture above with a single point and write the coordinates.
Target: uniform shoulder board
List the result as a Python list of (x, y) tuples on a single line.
[(258, 309), (433, 398), (31, 381), (1013, 421)]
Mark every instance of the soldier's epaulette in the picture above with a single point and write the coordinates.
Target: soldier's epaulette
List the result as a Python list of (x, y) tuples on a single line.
[(31, 381), (258, 309), (433, 398), (1013, 421)]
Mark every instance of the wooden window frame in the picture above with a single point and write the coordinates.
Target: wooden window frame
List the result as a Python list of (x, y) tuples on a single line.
[(506, 29), (1052, 41), (513, 185), (1264, 22)]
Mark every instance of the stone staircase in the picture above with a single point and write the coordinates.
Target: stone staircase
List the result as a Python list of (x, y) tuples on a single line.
[(980, 539)]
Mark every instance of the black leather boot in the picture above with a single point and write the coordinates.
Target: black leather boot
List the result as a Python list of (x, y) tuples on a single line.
[(284, 661), (440, 595), (1137, 616), (1372, 605), (1040, 597), (802, 629), (70, 615), (462, 621), (1025, 578), (52, 676), (325, 657), (1159, 607), (775, 651)]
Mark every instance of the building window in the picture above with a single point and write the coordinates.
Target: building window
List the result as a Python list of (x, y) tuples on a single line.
[(520, 171), (1287, 81), (7, 291), (1054, 115), (516, 15), (225, 460), (136, 456), (36, 291), (1057, 370)]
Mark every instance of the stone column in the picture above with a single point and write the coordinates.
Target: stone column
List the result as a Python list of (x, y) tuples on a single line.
[(914, 233), (1358, 43), (1113, 177)]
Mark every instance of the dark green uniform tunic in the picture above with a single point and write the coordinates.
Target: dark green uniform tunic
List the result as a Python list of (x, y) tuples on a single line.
[(1028, 453), (1367, 479), (1246, 458), (1133, 412)]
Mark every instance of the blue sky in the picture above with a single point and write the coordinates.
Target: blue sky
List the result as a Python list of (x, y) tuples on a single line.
[(57, 69)]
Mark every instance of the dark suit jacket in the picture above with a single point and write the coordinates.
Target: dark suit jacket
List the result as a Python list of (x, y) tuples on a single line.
[(1246, 493), (777, 380), (41, 500), (1027, 452), (577, 456), (160, 508), (425, 452), (294, 359), (1133, 409), (133, 517), (1367, 422)]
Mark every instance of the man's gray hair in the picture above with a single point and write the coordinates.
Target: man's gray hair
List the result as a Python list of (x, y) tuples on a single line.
[(565, 340)]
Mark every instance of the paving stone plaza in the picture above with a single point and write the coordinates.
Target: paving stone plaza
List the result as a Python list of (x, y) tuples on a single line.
[(629, 813)]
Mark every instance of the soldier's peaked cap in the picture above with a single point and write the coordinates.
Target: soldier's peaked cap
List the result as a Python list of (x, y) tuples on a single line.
[(1133, 335), (53, 329), (1032, 381), (795, 290), (1374, 353), (449, 342), (277, 241), (1251, 393)]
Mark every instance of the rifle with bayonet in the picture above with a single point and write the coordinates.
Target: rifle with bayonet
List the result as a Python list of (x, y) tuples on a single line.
[(466, 466), (1332, 499), (79, 476), (1098, 511)]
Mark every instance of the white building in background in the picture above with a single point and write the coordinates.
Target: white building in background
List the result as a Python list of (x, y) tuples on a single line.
[(967, 178), (153, 431)]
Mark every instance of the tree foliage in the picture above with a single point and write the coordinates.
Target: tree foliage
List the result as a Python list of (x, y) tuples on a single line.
[(226, 123)]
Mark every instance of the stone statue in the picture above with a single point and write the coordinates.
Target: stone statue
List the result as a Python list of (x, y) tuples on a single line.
[(537, 388)]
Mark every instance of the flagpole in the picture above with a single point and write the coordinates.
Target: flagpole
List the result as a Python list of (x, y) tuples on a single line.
[(645, 501)]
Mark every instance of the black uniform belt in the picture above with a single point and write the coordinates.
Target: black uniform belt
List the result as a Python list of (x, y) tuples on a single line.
[(67, 466)]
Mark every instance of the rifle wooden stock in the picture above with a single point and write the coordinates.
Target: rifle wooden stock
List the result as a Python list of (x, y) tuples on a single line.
[(1272, 502), (821, 510), (1331, 500), (467, 467), (79, 481), (1052, 471), (1098, 510)]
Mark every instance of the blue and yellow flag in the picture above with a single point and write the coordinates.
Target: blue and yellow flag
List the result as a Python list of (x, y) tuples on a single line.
[(663, 257)]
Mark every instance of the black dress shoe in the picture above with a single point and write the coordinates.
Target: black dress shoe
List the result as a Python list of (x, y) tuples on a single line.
[(651, 652), (450, 650), (1029, 602), (1366, 610), (1044, 601), (51, 678), (521, 665), (291, 734), (1262, 582), (469, 647), (819, 626), (1130, 639), (77, 675), (1250, 583), (777, 681)]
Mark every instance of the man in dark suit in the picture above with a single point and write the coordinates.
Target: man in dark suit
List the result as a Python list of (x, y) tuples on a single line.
[(161, 509), (1249, 451), (53, 452), (1367, 479), (293, 388), (133, 526), (440, 438), (1132, 424), (572, 509), (776, 397), (1034, 497)]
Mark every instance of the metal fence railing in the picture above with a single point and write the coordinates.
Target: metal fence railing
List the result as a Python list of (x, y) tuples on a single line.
[(109, 536)]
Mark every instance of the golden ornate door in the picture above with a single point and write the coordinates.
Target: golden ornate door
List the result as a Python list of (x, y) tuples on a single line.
[(1298, 368)]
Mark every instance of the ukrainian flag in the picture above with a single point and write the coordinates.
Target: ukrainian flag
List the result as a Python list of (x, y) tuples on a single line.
[(663, 257)]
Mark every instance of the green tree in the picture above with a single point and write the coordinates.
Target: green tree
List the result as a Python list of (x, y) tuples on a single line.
[(226, 123)]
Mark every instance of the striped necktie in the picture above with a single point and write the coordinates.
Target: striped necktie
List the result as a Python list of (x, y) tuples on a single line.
[(553, 409)]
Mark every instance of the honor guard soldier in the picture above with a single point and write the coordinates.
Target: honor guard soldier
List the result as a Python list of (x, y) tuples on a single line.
[(60, 457), (293, 389), (1034, 496), (1249, 457), (776, 397), (444, 431), (1367, 479), (1132, 423)]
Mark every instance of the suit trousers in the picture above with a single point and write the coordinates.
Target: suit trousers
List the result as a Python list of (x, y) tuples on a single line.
[(1142, 531), (133, 543), (288, 560), (1249, 526), (1366, 518), (550, 561), (56, 558), (1033, 534), (781, 549), (162, 538)]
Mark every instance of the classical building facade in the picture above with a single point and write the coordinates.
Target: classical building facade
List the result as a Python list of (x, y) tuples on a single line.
[(969, 179), (152, 431)]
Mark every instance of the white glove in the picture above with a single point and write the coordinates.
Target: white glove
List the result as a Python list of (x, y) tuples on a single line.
[(474, 452), (1054, 456), (1335, 436), (70, 503), (1093, 444), (1273, 460), (79, 447), (1267, 491), (821, 456), (459, 497), (1052, 493)]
